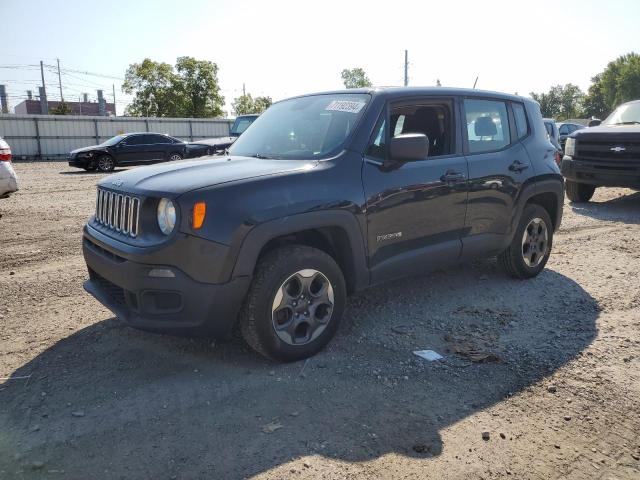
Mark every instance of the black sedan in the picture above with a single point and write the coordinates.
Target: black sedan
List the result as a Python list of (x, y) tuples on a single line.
[(128, 149)]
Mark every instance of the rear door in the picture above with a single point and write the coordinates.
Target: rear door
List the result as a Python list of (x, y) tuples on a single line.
[(498, 167), (158, 147), (133, 149), (415, 210)]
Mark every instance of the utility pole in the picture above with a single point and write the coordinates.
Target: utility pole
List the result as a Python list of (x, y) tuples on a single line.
[(406, 68), (44, 105), (60, 81), (114, 99), (244, 92)]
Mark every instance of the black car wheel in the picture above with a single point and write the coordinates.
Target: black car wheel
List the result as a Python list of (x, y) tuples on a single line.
[(174, 157), (294, 304), (106, 163), (531, 245), (579, 192)]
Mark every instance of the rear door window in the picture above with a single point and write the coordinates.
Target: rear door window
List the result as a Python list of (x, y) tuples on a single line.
[(487, 125)]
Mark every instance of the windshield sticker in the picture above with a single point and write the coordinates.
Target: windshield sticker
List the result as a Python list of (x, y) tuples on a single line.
[(345, 106)]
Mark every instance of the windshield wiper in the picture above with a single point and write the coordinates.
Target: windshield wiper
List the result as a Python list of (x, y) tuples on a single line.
[(260, 156)]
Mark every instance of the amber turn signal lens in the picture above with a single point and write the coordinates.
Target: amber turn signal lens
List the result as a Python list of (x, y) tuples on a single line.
[(199, 211)]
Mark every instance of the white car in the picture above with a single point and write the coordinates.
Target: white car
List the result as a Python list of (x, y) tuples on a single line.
[(8, 177)]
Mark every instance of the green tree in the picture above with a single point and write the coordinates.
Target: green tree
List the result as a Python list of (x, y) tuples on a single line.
[(560, 102), (61, 109), (618, 83), (594, 103), (151, 83), (197, 84), (159, 91), (355, 78), (262, 103), (245, 104)]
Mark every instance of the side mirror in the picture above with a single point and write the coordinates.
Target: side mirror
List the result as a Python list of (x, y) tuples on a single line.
[(595, 122), (408, 147)]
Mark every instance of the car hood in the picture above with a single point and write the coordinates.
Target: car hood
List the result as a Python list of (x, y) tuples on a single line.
[(613, 132), (85, 149), (175, 178)]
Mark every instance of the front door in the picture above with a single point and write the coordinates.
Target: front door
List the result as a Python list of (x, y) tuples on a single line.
[(415, 210)]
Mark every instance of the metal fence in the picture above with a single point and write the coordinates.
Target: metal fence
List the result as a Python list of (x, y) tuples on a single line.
[(54, 136)]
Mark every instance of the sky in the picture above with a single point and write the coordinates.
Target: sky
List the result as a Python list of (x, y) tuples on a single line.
[(285, 48)]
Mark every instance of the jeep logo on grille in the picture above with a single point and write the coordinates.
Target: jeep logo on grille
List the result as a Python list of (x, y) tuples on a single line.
[(117, 183), (617, 149)]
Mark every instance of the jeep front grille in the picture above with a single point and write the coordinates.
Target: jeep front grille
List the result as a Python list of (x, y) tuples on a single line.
[(118, 211)]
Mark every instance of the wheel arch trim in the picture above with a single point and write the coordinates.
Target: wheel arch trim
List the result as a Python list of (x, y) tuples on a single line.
[(244, 257)]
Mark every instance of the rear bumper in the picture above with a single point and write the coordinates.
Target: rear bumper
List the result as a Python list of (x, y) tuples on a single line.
[(600, 175), (176, 305)]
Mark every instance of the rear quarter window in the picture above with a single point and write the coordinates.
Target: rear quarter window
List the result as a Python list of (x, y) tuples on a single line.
[(522, 124)]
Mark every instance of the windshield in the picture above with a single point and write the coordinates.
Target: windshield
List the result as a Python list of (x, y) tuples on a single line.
[(302, 128), (113, 140), (240, 125), (628, 114)]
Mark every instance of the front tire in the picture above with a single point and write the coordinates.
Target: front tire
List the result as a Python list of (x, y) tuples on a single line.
[(579, 192), (174, 157), (106, 163), (294, 304), (531, 245)]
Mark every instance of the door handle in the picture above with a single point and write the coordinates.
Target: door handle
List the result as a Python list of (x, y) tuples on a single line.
[(518, 166), (452, 176)]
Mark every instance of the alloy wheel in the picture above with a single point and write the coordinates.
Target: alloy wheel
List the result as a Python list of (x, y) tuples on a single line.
[(302, 307), (105, 163), (175, 157), (535, 242)]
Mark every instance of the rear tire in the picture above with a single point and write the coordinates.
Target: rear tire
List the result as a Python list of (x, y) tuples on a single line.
[(174, 157), (295, 303), (106, 163), (579, 192), (531, 245)]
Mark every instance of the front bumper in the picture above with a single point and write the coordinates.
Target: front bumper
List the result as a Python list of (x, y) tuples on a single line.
[(601, 174), (178, 305)]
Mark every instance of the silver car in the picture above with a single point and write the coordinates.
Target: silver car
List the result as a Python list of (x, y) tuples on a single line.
[(8, 177)]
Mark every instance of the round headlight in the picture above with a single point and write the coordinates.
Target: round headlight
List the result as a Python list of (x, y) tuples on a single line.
[(166, 216)]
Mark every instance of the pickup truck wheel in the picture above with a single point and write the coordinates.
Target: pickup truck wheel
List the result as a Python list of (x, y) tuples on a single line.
[(579, 192), (531, 245), (294, 304), (106, 163)]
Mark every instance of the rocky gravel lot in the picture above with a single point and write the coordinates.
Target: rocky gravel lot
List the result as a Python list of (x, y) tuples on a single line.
[(540, 379)]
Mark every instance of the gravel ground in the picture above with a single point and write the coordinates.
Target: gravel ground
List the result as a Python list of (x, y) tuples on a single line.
[(540, 378)]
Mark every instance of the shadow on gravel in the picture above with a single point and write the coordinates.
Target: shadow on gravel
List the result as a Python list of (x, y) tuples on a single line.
[(112, 402), (624, 209)]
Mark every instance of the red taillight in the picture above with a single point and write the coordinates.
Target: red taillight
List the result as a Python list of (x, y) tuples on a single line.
[(5, 154), (558, 158)]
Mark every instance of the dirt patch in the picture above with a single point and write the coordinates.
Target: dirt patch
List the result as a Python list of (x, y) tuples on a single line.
[(90, 398)]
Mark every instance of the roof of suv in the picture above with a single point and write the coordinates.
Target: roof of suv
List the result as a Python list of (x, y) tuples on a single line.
[(400, 92)]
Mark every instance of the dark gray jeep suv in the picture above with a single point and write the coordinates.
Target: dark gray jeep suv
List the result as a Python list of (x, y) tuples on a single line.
[(325, 194)]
